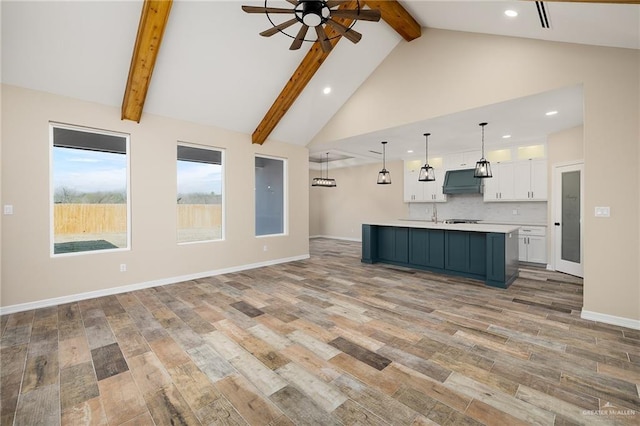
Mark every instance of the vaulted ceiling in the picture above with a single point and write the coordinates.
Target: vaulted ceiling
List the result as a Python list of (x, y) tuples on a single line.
[(205, 62)]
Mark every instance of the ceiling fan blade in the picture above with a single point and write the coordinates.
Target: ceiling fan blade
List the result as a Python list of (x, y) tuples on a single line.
[(322, 38), (284, 25), (333, 3), (363, 15), (352, 35), (299, 38), (293, 2), (260, 9)]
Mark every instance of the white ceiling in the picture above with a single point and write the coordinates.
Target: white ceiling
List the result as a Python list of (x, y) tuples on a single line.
[(213, 67)]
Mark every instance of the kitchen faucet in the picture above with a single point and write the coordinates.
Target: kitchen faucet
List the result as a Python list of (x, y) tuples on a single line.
[(434, 214)]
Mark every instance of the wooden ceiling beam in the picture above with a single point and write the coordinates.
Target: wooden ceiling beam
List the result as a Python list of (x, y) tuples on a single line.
[(153, 21), (398, 18)]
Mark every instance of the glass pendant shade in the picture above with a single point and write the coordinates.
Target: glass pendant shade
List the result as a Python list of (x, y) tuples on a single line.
[(384, 177), (322, 181), (427, 174), (483, 167)]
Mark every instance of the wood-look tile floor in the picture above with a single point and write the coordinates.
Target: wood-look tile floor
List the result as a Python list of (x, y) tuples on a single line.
[(322, 341)]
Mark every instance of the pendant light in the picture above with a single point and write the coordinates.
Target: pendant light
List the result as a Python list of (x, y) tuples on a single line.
[(322, 181), (426, 172), (483, 167), (384, 177)]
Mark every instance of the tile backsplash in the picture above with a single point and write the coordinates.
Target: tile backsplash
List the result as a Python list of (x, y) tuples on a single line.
[(472, 206)]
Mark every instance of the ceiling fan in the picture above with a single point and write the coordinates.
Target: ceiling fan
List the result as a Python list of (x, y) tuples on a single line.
[(318, 14)]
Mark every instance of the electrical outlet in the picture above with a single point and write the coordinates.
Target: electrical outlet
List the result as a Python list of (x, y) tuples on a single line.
[(264, 248), (8, 209), (515, 211), (123, 267)]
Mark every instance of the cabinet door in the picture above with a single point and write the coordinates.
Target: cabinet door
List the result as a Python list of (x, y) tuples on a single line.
[(500, 187), (393, 244), (522, 249), (433, 190), (492, 185), (413, 190), (538, 180), (522, 180), (537, 249), (507, 178), (426, 247), (457, 251)]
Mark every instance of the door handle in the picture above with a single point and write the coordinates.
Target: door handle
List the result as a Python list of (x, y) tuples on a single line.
[(557, 223)]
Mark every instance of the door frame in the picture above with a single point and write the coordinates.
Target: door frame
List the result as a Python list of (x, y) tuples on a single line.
[(556, 215)]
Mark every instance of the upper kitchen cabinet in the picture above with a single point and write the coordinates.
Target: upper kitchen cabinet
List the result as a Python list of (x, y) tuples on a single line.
[(421, 192), (462, 160), (531, 180), (500, 187), (517, 181)]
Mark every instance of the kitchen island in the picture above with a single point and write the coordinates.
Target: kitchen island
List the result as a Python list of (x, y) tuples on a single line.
[(480, 251)]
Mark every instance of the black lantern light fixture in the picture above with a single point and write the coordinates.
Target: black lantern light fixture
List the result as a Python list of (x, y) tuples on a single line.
[(384, 177), (426, 172), (322, 181), (483, 167)]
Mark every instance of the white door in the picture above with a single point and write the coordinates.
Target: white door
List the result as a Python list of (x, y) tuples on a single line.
[(568, 196)]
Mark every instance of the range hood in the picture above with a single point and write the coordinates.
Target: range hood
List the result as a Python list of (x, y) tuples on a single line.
[(461, 182)]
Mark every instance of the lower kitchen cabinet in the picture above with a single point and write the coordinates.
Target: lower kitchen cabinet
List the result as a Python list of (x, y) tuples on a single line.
[(465, 252), (425, 247), (488, 256), (393, 244), (533, 244)]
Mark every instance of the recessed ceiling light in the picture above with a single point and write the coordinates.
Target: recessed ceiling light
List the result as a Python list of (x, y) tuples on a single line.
[(326, 90), (551, 113), (511, 13), (506, 136), (410, 151)]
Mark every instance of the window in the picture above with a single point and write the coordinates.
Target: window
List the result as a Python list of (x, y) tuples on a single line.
[(270, 196), (90, 192), (199, 197)]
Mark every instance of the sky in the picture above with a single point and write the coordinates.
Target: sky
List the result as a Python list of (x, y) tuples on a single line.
[(91, 171)]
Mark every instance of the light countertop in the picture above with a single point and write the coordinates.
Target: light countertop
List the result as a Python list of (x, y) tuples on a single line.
[(471, 227)]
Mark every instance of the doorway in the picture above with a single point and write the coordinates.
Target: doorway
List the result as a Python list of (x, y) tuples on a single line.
[(568, 202)]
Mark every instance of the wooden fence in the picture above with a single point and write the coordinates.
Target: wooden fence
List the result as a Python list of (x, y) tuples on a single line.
[(107, 218), (89, 218), (192, 216)]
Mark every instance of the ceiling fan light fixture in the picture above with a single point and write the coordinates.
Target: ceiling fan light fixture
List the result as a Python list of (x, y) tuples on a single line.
[(320, 15)]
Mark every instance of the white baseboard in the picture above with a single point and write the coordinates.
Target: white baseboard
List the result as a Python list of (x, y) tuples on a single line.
[(331, 237), (610, 319), (132, 287)]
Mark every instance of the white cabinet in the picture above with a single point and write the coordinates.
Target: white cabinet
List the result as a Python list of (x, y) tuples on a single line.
[(531, 180), (462, 160), (421, 192), (500, 186), (517, 181), (533, 244)]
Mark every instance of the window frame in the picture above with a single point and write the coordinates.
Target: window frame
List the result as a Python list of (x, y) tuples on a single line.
[(57, 125), (223, 198), (285, 196)]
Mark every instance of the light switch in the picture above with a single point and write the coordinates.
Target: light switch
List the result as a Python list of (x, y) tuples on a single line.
[(603, 211), (8, 209)]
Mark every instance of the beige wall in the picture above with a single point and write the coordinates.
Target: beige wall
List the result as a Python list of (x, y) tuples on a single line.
[(562, 147), (357, 199), (444, 72), (30, 274)]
